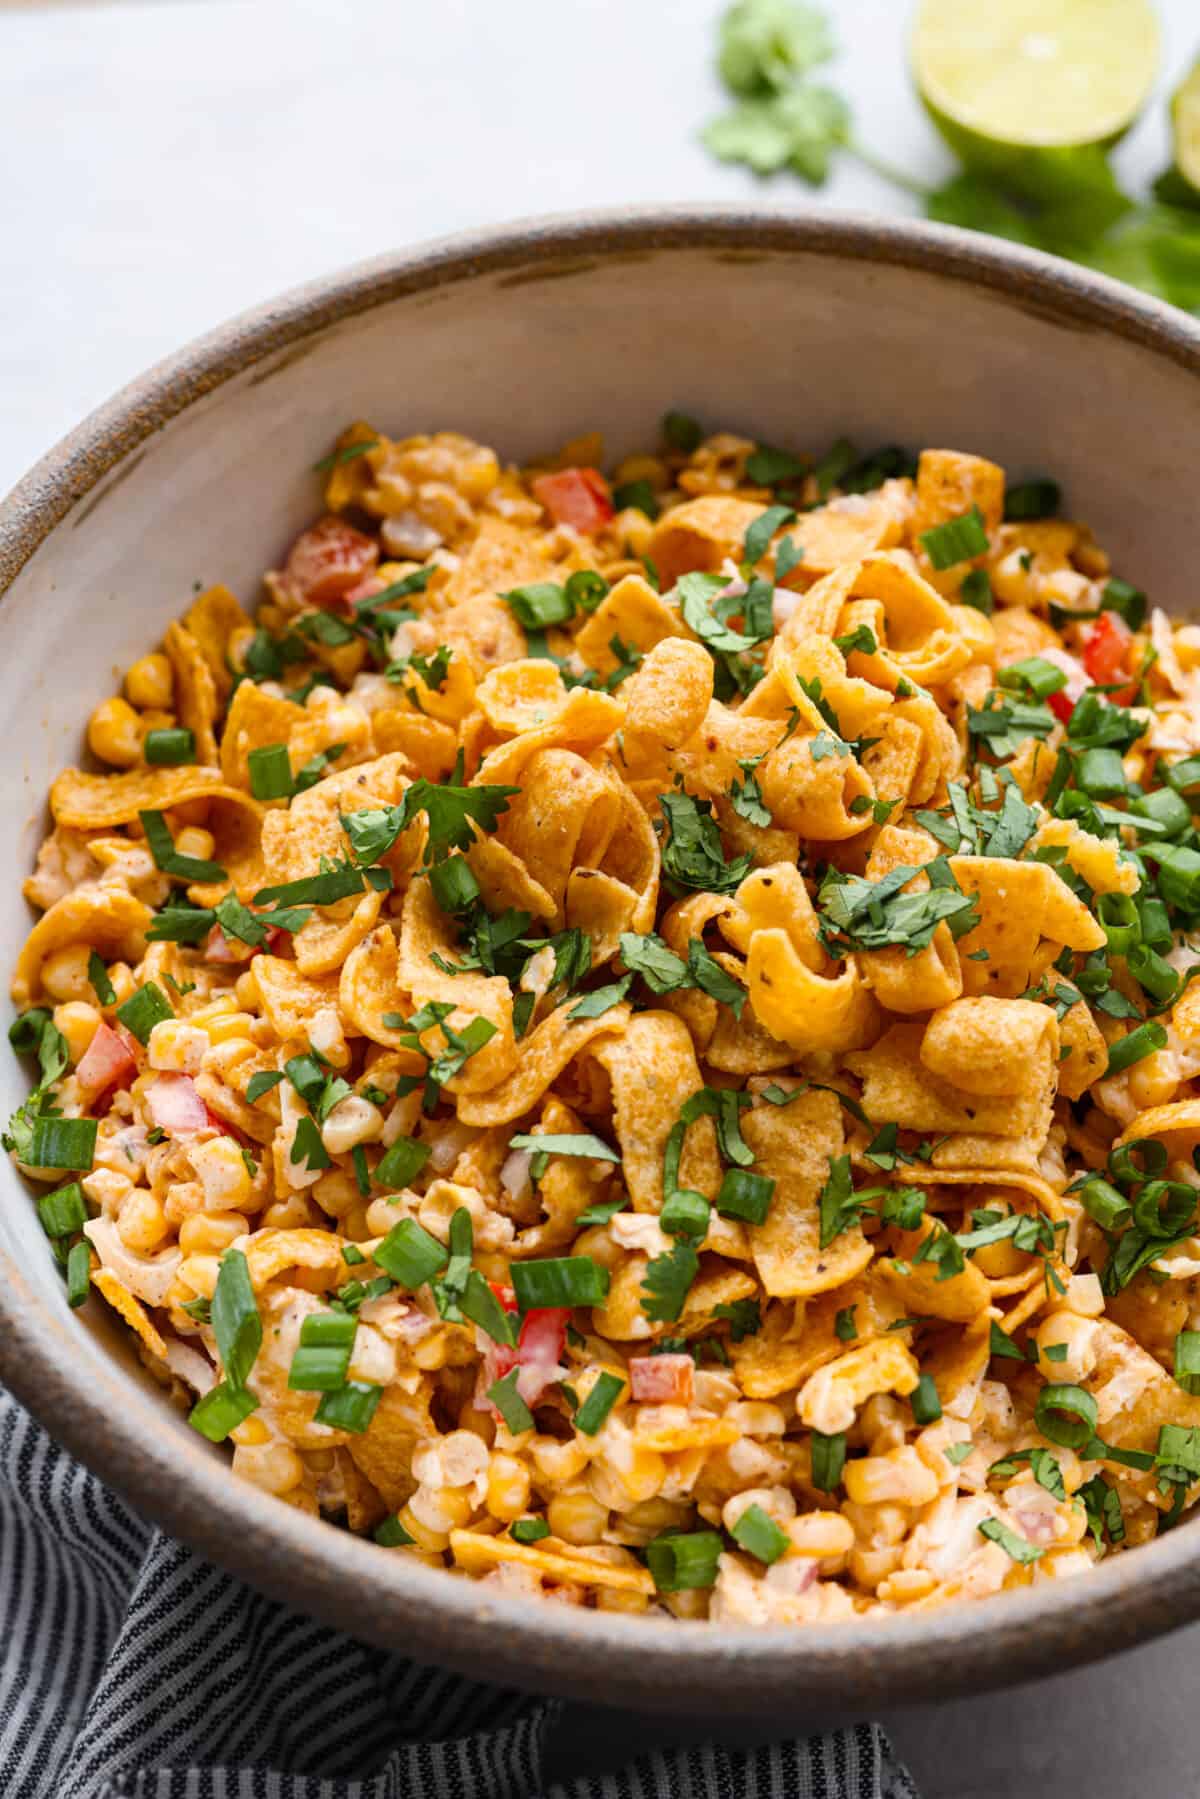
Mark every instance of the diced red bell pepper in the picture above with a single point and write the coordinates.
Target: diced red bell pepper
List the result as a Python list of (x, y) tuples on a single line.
[(662, 1379), (578, 497), (1106, 655), (328, 561), (107, 1062)]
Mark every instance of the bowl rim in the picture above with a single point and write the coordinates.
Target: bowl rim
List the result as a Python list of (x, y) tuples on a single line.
[(649, 1664)]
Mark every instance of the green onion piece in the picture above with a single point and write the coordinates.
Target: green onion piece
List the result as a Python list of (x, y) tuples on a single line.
[(541, 604), (1130, 602), (410, 1255), (828, 1460), (144, 1009), (745, 1195), (560, 1281), (167, 749), (1187, 1361), (351, 1408), (1156, 924), (1164, 1208), (1100, 774), (1122, 925), (352, 1255), (454, 886), (759, 1535), (391, 1534), (1179, 877), (1185, 775), (528, 1530), (1153, 972), (1012, 1545), (1145, 1159), (79, 1273), (221, 1410), (102, 987), (162, 847), (478, 1303), (63, 1212), (401, 1163), (684, 1214), (1042, 678), (636, 493), (681, 1563), (1135, 1045), (976, 591), (599, 1403), (235, 1320), (1066, 1414), (958, 540), (63, 1142), (270, 772), (682, 432), (1166, 808), (925, 1401), (1032, 499), (319, 1368), (508, 1402), (1102, 1202)]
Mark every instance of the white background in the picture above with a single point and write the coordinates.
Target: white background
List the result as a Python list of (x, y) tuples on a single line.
[(165, 165)]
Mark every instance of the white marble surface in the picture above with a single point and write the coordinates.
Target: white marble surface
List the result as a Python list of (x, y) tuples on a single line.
[(168, 164)]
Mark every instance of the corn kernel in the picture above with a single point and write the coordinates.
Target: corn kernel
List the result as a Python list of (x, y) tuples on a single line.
[(900, 1475), (577, 1517), (114, 734), (247, 991), (65, 973), (150, 682), (210, 1233), (192, 841), (275, 1467), (232, 1026), (1074, 1334), (422, 1535), (200, 1274), (141, 1222), (222, 1173), (78, 1022), (507, 1488), (176, 1047)]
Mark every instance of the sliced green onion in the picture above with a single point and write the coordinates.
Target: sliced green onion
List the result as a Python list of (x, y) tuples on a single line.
[(221, 1410), (976, 591), (508, 1402), (410, 1255), (560, 1281), (599, 1403), (1100, 774), (685, 1214), (1156, 924), (270, 772), (1164, 1208), (1179, 877), (1187, 1361), (1124, 1163), (1034, 672), (1014, 1546), (169, 748), (1066, 1414), (401, 1163), (528, 1530), (1102, 1202), (687, 1561), (1122, 925), (478, 1303), (103, 988), (636, 493), (828, 1460), (351, 1408), (1153, 972), (144, 1009), (319, 1368), (79, 1272), (541, 604), (1166, 808), (1135, 1045), (745, 1195), (454, 886), (958, 540), (63, 1212), (1184, 775), (758, 1534), (63, 1142), (682, 432), (1120, 596), (1032, 499), (235, 1320), (162, 847), (391, 1534), (925, 1401)]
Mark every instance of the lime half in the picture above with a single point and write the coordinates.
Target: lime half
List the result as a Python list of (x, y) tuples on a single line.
[(1006, 78), (1185, 135)]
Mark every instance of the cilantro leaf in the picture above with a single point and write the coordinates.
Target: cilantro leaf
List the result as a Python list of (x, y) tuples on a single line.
[(766, 44), (692, 855), (667, 1281)]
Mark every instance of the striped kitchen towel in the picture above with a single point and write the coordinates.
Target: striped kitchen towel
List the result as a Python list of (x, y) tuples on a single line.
[(133, 1669)]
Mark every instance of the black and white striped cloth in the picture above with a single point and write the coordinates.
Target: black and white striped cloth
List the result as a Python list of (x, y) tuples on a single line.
[(133, 1669)]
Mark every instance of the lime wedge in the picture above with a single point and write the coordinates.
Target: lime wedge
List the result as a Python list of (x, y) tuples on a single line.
[(1182, 183), (1007, 79)]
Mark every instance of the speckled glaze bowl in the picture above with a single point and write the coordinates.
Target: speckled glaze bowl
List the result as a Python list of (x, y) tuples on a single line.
[(792, 329)]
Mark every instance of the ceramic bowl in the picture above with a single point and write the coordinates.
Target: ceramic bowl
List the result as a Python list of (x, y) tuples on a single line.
[(791, 329)]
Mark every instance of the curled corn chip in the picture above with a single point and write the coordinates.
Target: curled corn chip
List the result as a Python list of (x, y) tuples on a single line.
[(793, 1145), (107, 919), (562, 1564), (130, 1309)]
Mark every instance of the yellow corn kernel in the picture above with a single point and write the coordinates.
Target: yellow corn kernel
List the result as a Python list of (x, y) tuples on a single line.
[(200, 1274), (354, 1224), (295, 1213), (907, 1585), (997, 1260), (442, 1508), (507, 1488), (157, 721), (219, 1007), (337, 1193), (222, 1173), (1068, 1332), (222, 1058), (251, 1431), (900, 1476), (232, 1025), (246, 991), (141, 1222), (176, 1046), (422, 1535), (610, 1599), (636, 529), (124, 986), (825, 1534), (114, 734), (577, 1517), (192, 841), (150, 682), (1153, 1080), (65, 973), (77, 1021), (275, 1467), (558, 1462), (210, 1233)]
